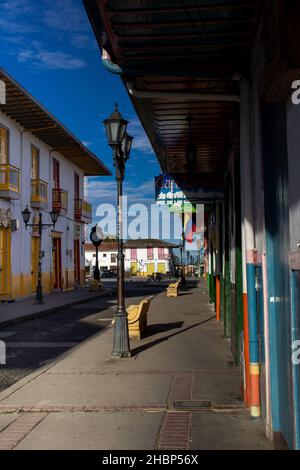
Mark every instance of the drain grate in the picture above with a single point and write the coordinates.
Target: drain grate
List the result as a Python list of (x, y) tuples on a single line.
[(192, 404)]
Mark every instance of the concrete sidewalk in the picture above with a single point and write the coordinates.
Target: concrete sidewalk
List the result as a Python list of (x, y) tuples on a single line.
[(180, 390), (26, 309)]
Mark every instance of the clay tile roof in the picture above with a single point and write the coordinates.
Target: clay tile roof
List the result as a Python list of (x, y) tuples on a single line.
[(112, 245)]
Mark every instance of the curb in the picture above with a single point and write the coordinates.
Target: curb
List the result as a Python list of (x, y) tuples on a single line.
[(31, 316)]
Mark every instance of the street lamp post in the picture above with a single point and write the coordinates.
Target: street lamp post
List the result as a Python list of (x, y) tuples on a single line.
[(120, 142), (40, 226), (96, 241), (182, 274)]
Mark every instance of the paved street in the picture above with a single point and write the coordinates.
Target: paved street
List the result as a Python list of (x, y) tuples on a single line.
[(34, 343), (180, 389)]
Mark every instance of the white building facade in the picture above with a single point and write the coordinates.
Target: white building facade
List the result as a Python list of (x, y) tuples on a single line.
[(42, 167), (142, 257)]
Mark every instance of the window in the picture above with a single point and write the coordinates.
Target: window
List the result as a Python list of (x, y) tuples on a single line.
[(113, 258), (161, 253), (133, 253), (150, 253), (3, 145), (35, 163)]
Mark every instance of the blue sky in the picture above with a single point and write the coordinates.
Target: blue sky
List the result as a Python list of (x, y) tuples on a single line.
[(48, 46)]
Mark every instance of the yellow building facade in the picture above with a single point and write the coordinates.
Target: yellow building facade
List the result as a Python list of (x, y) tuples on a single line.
[(35, 176)]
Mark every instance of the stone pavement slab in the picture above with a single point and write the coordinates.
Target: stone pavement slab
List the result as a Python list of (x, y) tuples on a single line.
[(227, 431), (6, 419), (111, 391), (94, 431), (221, 387), (183, 358)]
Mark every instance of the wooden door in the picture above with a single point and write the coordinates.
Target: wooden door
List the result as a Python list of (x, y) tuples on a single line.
[(56, 260), (35, 243), (35, 163), (3, 145), (150, 268), (76, 186), (5, 260), (77, 261), (133, 268), (161, 268), (2, 261), (56, 174)]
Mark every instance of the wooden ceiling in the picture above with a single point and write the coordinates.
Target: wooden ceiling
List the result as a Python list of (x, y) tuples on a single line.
[(190, 46), (210, 123)]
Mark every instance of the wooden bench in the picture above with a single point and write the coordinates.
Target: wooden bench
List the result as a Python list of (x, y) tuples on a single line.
[(137, 319), (172, 289), (94, 285)]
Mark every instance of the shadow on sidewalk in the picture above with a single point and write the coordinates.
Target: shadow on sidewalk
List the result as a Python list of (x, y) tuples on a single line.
[(162, 327), (144, 347)]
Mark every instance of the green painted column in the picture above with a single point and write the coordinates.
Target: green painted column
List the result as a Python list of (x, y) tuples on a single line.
[(222, 297), (227, 318)]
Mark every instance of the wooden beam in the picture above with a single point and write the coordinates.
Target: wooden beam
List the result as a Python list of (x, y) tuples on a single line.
[(179, 9), (178, 24)]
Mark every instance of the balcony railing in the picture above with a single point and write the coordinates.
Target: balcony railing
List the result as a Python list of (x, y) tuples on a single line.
[(9, 181), (82, 210), (39, 192), (60, 200)]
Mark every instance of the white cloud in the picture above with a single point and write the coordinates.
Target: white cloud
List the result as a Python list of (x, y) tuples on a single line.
[(12, 11), (143, 189), (64, 15), (14, 27), (99, 191), (18, 7), (140, 141), (50, 60), (83, 41), (64, 21), (14, 39)]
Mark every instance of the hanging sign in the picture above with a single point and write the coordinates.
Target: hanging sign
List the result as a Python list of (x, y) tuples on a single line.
[(183, 197)]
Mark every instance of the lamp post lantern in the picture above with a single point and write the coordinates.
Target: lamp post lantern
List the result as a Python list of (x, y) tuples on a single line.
[(96, 241), (39, 299), (120, 142)]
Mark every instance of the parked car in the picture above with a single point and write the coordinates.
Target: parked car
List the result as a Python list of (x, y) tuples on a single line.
[(108, 273)]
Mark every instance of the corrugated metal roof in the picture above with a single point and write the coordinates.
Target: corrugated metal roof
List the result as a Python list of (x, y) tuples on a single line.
[(33, 117)]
